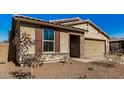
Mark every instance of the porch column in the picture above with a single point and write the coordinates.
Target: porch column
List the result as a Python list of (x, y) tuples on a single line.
[(82, 46)]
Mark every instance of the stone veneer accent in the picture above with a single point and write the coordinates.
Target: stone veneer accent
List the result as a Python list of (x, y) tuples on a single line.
[(55, 57), (50, 57), (81, 46)]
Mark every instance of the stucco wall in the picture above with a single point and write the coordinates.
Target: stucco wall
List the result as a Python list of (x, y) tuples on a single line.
[(64, 42), (31, 32), (93, 33), (64, 39), (84, 26)]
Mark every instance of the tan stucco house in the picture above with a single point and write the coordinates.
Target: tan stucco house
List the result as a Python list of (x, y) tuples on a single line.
[(58, 39), (96, 41), (55, 42)]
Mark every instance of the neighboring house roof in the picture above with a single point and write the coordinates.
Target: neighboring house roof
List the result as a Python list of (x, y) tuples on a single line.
[(77, 21), (45, 23), (116, 39)]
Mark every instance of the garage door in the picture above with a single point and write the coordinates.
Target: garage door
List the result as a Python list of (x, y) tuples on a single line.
[(94, 48)]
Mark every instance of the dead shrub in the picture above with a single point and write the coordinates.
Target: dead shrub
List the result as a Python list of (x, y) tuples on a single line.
[(21, 75), (24, 58), (83, 77), (90, 68), (114, 57)]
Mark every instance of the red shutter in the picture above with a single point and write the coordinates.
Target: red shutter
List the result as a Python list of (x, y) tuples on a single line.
[(57, 41), (38, 33)]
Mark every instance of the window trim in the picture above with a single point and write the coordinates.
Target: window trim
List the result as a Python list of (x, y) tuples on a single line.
[(48, 40)]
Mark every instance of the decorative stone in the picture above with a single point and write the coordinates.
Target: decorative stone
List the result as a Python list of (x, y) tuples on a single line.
[(82, 46)]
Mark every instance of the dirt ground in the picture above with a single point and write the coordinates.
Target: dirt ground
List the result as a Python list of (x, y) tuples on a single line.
[(69, 70)]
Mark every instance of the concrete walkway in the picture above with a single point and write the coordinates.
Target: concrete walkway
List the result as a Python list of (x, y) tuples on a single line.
[(87, 59)]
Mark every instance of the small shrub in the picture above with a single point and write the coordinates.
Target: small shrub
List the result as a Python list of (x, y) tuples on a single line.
[(114, 56), (62, 62), (119, 54), (90, 69), (84, 77), (104, 64), (21, 75)]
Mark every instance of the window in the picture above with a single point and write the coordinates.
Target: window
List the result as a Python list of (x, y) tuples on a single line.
[(48, 40)]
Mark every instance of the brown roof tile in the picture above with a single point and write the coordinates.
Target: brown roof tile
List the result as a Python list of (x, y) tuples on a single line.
[(45, 23), (66, 20), (71, 22)]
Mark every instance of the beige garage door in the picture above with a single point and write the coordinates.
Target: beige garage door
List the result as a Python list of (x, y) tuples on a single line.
[(94, 48)]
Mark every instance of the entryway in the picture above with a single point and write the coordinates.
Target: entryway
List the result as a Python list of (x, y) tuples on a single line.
[(75, 46)]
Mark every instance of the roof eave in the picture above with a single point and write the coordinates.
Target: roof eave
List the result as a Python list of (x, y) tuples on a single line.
[(90, 22), (48, 24)]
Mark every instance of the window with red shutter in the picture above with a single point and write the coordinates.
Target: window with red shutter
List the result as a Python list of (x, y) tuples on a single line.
[(48, 40)]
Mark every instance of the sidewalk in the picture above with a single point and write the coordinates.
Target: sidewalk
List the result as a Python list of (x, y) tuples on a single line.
[(87, 59)]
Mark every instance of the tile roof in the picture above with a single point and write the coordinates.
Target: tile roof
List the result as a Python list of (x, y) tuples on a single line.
[(75, 21), (66, 20), (45, 23), (65, 23), (116, 39)]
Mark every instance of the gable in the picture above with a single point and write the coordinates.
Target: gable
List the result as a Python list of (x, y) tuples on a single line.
[(92, 31), (82, 26)]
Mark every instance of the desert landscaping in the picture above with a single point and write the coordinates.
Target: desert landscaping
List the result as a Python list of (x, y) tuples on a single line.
[(69, 70), (72, 69)]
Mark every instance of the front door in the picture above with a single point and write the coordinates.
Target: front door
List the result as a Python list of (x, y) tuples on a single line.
[(74, 46)]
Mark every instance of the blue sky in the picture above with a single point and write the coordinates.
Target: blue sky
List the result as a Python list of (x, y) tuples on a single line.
[(113, 24)]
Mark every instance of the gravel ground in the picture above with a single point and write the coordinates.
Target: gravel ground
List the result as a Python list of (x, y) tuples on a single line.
[(69, 70)]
